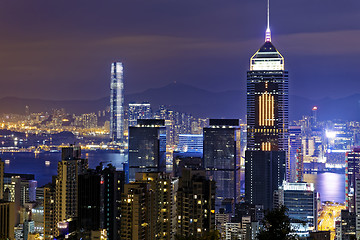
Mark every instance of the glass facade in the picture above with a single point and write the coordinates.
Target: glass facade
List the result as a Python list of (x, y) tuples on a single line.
[(267, 125), (146, 147), (301, 202), (117, 103), (352, 172), (221, 160), (139, 111)]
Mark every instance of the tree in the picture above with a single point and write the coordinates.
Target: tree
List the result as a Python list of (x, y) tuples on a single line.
[(276, 225)]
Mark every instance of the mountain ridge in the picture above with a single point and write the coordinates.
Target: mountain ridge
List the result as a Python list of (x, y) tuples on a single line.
[(193, 100)]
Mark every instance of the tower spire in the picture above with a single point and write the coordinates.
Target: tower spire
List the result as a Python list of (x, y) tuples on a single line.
[(268, 32)]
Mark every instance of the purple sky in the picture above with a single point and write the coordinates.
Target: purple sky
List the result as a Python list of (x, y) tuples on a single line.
[(63, 49)]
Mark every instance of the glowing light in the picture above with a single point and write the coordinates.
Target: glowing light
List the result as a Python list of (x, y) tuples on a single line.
[(330, 134), (314, 108)]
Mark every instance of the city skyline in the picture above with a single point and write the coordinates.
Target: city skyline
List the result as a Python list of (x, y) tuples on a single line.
[(58, 46)]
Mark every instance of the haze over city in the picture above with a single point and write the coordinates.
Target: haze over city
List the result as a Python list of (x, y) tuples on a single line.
[(62, 49)]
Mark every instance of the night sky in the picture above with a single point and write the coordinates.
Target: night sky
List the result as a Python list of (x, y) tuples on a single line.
[(63, 49)]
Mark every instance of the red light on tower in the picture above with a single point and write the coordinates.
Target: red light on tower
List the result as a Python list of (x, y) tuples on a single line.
[(314, 108)]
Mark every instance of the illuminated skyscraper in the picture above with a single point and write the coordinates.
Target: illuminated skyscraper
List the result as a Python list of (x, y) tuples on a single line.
[(138, 111), (66, 189), (267, 122), (147, 147), (117, 103), (221, 160), (352, 173)]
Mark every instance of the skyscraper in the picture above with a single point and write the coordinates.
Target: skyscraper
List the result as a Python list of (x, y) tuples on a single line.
[(301, 200), (99, 200), (294, 146), (117, 103), (267, 123), (352, 173), (66, 193), (138, 111), (146, 147), (221, 160), (195, 204)]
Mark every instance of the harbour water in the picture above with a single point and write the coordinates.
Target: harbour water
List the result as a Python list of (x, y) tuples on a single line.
[(44, 165), (331, 186)]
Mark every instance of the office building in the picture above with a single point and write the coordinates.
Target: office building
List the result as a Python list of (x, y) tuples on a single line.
[(294, 145), (299, 176), (301, 201), (7, 220), (66, 190), (99, 200), (190, 143), (146, 147), (138, 111), (267, 124), (346, 227), (183, 160), (195, 204), (221, 160), (117, 103), (352, 172)]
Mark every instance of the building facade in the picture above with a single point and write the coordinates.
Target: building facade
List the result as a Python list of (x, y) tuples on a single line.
[(221, 160), (147, 147), (117, 103), (99, 200), (267, 124), (66, 190), (301, 200), (138, 111), (195, 204), (352, 172)]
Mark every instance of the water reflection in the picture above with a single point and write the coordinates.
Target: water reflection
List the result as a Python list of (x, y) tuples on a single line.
[(29, 163), (331, 186)]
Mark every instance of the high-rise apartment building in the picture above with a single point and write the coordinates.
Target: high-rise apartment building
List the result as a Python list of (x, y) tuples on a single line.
[(146, 147), (221, 160), (138, 111), (117, 103), (352, 172), (267, 124), (147, 208), (66, 190), (50, 224), (195, 204)]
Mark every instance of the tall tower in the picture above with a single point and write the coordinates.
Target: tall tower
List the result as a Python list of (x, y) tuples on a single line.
[(221, 160), (267, 123), (117, 103), (147, 147), (66, 189)]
